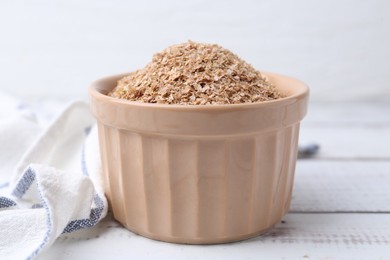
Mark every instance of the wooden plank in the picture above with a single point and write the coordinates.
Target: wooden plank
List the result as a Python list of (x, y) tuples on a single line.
[(299, 236), (357, 142), (341, 186), (348, 114), (348, 130)]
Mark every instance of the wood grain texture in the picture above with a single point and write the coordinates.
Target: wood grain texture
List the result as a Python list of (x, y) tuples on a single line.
[(341, 186), (354, 142), (348, 114), (352, 131), (299, 236)]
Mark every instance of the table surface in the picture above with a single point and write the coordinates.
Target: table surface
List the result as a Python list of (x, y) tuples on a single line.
[(340, 207)]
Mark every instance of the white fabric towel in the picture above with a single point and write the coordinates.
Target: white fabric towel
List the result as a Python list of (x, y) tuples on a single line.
[(50, 176)]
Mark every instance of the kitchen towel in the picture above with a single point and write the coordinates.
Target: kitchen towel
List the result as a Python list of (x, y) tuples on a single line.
[(50, 175)]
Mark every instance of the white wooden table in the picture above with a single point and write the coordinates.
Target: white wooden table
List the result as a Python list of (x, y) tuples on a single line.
[(340, 207)]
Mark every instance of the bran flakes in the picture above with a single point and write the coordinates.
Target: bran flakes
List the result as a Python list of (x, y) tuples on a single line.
[(196, 74)]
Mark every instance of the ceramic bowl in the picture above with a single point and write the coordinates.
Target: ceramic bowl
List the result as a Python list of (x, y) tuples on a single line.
[(199, 174)]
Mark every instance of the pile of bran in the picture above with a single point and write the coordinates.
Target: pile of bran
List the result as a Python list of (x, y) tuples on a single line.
[(196, 74)]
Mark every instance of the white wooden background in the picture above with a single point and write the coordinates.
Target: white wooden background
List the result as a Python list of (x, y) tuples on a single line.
[(340, 207), (55, 48)]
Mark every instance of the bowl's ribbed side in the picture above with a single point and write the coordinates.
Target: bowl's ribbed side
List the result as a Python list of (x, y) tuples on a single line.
[(204, 189)]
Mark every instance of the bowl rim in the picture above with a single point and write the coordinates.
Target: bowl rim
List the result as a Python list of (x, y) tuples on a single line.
[(300, 93)]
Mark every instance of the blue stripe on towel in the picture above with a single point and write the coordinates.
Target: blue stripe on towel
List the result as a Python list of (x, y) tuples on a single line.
[(6, 202), (96, 211), (24, 183), (93, 219), (21, 188)]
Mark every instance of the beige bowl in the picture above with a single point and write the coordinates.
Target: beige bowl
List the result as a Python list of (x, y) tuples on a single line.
[(199, 174)]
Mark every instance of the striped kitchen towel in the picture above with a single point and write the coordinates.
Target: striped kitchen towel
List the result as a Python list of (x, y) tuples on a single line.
[(50, 180)]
